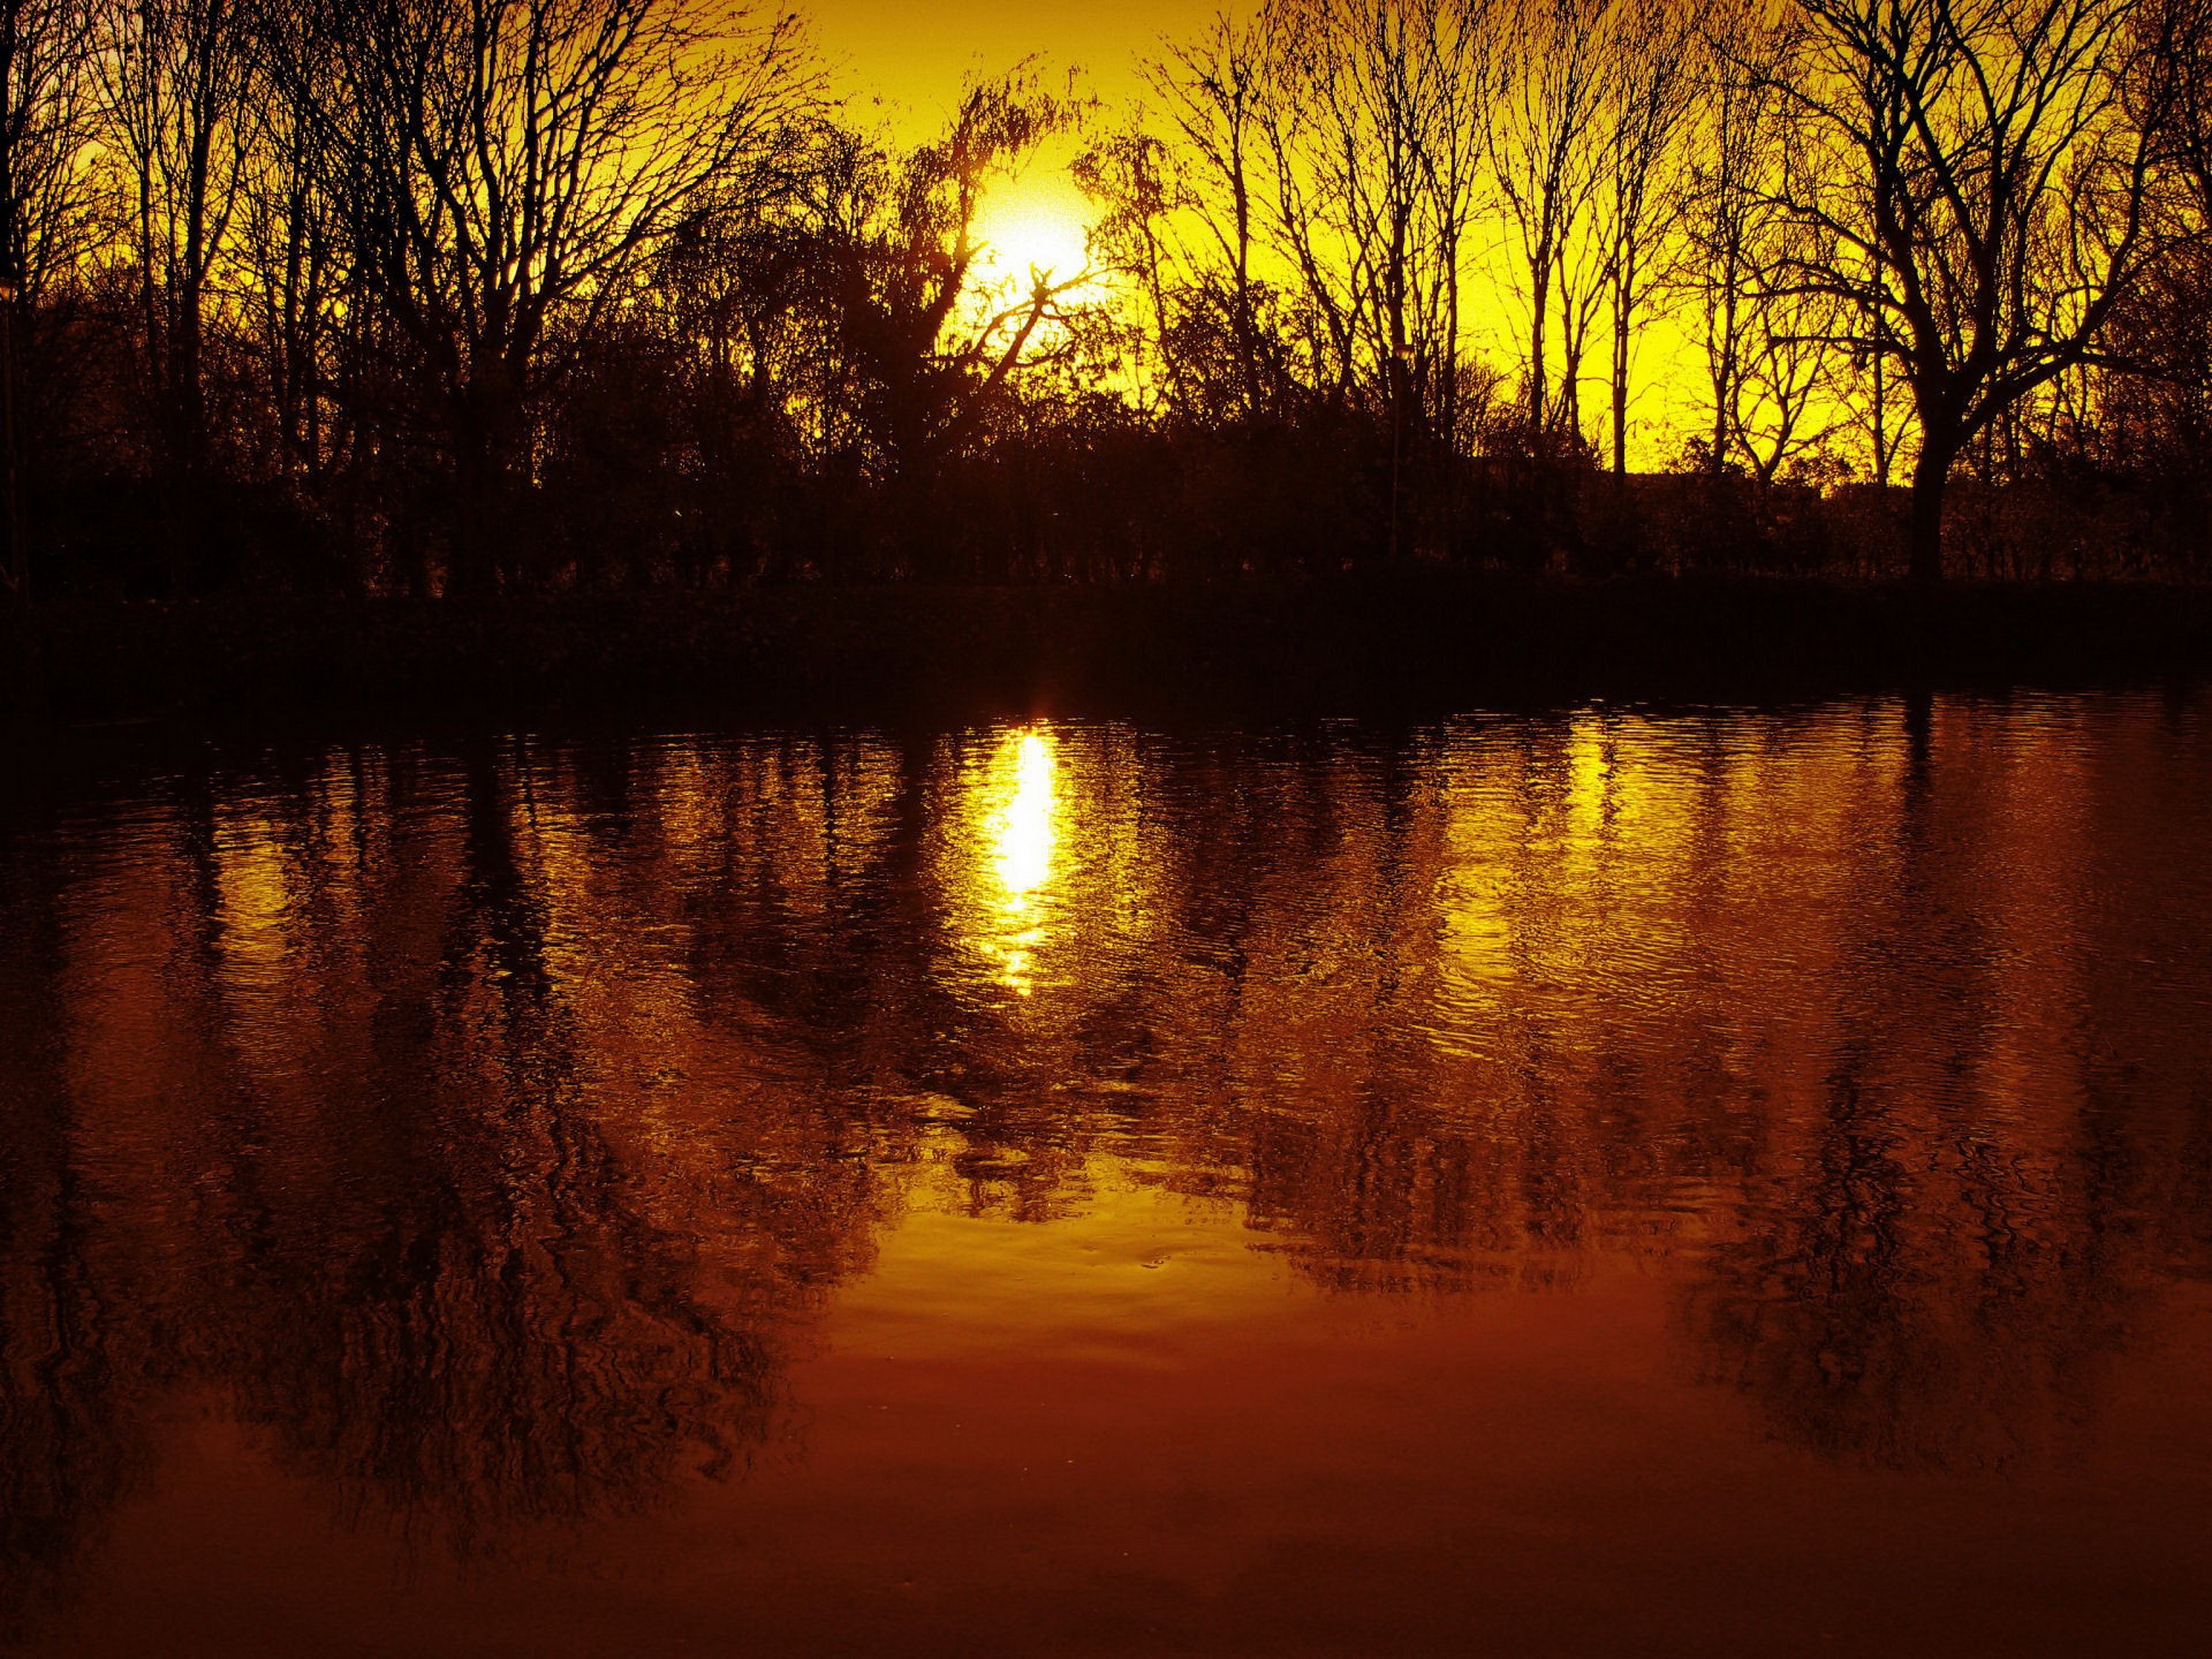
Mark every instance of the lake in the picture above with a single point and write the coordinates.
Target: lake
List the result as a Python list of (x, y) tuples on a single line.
[(1608, 1182)]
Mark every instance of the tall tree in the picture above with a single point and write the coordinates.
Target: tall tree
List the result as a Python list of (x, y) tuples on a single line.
[(1732, 148), (47, 216), (1543, 124), (925, 344), (1641, 191), (47, 88), (291, 249), (1209, 93), (509, 169), (1975, 186), (179, 76)]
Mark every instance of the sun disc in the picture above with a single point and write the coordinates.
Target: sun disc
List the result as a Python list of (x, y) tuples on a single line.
[(1032, 231)]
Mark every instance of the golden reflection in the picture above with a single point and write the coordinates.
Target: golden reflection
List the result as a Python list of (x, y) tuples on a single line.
[(252, 893), (335, 1102), (1023, 829), (1482, 833), (1021, 834), (1588, 784)]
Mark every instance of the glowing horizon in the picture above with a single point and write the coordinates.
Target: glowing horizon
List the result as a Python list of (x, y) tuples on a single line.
[(902, 69)]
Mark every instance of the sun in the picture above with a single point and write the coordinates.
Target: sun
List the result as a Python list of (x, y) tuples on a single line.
[(1033, 228)]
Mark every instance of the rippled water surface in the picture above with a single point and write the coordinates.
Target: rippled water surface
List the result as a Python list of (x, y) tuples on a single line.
[(1605, 1183)]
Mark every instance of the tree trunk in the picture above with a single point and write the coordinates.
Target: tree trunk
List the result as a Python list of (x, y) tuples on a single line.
[(1931, 474), (1248, 351), (468, 571), (1623, 302), (1620, 388), (1539, 310), (17, 556), (482, 450)]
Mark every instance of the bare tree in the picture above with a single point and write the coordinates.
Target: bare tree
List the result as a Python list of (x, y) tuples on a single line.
[(1975, 179), (47, 213), (47, 216), (1312, 230), (1458, 45), (291, 249), (1136, 190), (1641, 193), (1363, 81), (925, 343), (1210, 93), (509, 167), (2149, 409), (179, 73), (1785, 402), (1368, 116), (1770, 343), (1542, 126), (1731, 150)]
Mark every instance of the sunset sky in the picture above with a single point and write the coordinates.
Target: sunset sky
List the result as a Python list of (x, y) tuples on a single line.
[(904, 64), (915, 55)]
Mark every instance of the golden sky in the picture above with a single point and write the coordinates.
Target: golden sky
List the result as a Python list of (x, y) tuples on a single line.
[(913, 54), (904, 61)]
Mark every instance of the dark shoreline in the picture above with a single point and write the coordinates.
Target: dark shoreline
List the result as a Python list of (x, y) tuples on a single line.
[(1413, 645)]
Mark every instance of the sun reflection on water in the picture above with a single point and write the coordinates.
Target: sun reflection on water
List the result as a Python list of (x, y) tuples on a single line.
[(1865, 1090), (1021, 833)]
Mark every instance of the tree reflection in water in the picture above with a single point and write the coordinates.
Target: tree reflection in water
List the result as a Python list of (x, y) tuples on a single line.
[(71, 1445), (486, 1122)]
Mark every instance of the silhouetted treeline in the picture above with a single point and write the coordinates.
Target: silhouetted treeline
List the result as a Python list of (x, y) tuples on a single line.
[(446, 296)]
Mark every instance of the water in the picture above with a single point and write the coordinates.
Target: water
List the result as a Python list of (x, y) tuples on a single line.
[(1608, 1184)]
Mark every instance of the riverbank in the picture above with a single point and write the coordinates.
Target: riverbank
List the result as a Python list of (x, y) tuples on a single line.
[(1426, 643)]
